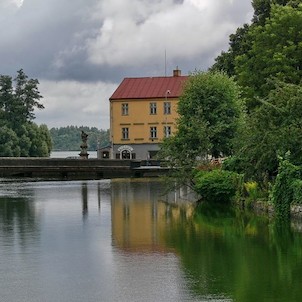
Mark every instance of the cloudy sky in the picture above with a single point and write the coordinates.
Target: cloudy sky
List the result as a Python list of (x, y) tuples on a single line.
[(80, 50)]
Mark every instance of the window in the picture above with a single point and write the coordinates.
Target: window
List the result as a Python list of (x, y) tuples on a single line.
[(167, 108), (167, 131), (126, 154), (152, 108), (125, 108), (153, 132), (125, 133)]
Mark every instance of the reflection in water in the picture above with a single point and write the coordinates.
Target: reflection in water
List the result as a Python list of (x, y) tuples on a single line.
[(138, 245), (84, 199), (226, 254), (139, 218), (99, 197), (239, 256), (19, 222)]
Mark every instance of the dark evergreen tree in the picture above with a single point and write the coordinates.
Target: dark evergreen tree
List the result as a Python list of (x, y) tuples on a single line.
[(19, 135)]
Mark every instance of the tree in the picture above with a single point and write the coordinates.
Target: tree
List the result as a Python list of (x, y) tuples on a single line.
[(262, 8), (27, 95), (275, 53), (241, 42), (6, 98), (68, 138), (273, 129), (210, 113), (20, 136), (8, 142)]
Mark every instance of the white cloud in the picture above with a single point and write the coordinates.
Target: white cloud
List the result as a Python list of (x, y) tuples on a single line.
[(80, 51), (75, 103), (18, 3), (140, 31)]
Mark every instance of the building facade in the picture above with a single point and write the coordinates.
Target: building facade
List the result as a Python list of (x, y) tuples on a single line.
[(143, 112)]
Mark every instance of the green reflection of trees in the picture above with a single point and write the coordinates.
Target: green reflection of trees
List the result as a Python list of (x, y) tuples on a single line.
[(239, 256), (17, 221)]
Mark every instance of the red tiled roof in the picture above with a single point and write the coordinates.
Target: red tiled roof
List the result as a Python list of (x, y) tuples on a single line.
[(154, 87)]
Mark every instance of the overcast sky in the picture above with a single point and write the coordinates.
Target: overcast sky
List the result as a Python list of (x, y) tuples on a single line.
[(80, 50)]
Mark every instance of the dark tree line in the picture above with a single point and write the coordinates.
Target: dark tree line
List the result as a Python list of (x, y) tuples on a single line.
[(19, 135), (69, 138)]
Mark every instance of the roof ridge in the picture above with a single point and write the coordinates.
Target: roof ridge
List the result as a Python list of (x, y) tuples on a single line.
[(164, 77), (149, 87)]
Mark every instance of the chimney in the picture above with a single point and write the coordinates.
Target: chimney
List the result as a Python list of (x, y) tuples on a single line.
[(176, 72)]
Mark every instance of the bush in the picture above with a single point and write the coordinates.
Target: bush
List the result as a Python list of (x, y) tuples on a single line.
[(217, 185), (282, 194), (297, 191), (252, 191)]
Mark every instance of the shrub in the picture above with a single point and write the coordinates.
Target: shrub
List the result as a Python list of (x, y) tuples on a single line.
[(217, 186), (252, 191), (297, 191), (282, 194)]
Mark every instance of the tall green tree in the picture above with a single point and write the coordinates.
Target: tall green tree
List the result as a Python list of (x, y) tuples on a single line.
[(210, 113), (262, 8), (274, 128), (27, 95), (19, 97), (6, 98), (241, 42), (275, 53)]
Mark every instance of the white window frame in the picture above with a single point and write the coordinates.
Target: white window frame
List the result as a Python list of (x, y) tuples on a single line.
[(167, 107), (153, 132), (153, 108), (125, 108), (125, 133), (167, 131)]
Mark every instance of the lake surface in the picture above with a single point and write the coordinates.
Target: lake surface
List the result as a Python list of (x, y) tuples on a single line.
[(65, 154), (122, 240)]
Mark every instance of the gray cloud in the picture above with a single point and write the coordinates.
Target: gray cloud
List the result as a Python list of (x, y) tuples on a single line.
[(94, 44)]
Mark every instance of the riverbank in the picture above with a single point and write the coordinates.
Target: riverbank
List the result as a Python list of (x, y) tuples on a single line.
[(264, 207)]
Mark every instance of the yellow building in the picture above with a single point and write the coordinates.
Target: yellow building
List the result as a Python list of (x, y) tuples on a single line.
[(142, 112)]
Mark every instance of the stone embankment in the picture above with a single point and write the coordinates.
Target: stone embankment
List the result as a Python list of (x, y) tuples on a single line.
[(264, 207)]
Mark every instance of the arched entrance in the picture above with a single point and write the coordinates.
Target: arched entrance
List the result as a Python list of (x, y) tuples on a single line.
[(126, 152)]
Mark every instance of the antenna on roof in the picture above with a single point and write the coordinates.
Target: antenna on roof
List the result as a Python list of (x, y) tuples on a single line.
[(165, 62)]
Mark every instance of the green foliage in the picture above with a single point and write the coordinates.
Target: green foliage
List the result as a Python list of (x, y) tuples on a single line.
[(8, 142), (271, 129), (262, 8), (19, 135), (297, 191), (282, 194), (69, 138), (210, 112), (275, 53), (253, 192), (239, 44), (217, 185)]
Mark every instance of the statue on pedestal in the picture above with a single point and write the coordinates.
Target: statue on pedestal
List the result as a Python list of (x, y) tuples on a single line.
[(84, 154)]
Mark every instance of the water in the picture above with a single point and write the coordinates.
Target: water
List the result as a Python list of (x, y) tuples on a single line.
[(65, 154), (121, 240)]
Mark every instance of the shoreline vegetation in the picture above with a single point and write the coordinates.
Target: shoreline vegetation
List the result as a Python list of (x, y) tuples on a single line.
[(246, 108)]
